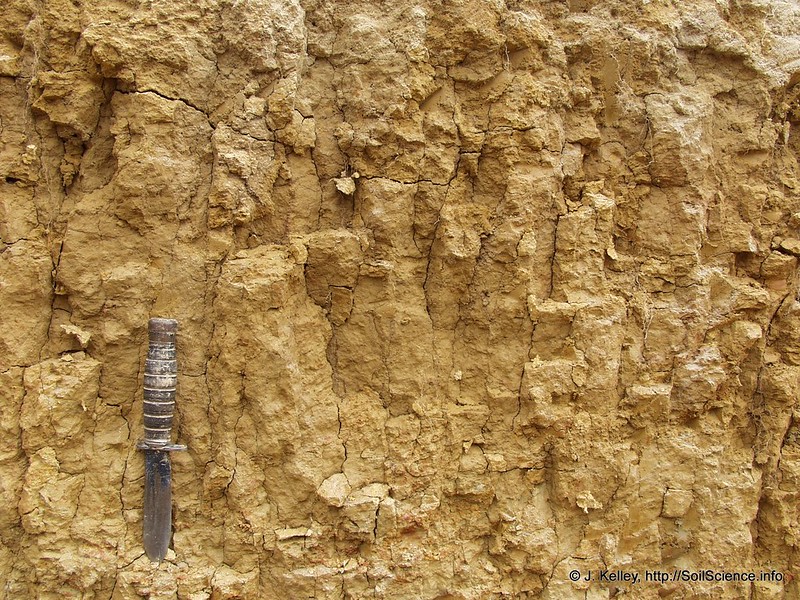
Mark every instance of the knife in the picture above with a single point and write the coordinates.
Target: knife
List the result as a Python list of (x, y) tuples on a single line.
[(160, 382)]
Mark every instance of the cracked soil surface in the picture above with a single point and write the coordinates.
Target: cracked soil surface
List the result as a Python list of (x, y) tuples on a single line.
[(472, 295)]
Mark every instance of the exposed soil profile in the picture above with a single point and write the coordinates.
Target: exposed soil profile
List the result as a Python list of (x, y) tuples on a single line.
[(478, 299)]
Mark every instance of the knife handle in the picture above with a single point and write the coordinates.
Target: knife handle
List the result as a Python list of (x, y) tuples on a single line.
[(160, 382)]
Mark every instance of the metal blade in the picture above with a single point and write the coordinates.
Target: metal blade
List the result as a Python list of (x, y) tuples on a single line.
[(157, 504)]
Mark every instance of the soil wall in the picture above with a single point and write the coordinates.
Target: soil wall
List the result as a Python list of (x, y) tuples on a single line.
[(472, 294)]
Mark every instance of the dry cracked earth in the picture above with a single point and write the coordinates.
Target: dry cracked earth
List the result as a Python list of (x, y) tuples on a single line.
[(474, 296)]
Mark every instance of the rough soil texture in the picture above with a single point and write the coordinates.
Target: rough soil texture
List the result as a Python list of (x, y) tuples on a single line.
[(472, 294)]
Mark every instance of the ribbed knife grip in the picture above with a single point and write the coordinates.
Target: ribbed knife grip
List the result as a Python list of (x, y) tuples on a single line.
[(160, 382)]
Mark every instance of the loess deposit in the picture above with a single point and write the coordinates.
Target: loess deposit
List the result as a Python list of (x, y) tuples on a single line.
[(472, 294)]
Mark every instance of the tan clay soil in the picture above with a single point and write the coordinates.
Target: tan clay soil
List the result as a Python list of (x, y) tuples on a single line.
[(472, 294)]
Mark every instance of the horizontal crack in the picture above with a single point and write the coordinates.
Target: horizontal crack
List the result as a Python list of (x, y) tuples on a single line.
[(173, 99)]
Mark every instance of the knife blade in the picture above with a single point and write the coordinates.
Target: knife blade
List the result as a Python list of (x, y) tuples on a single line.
[(157, 504), (160, 383)]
